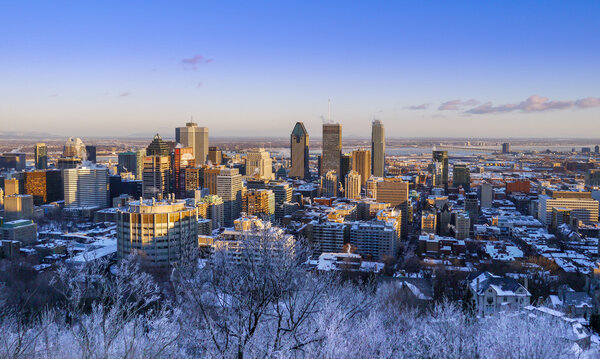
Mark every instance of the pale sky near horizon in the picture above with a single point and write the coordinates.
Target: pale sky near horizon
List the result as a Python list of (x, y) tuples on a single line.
[(254, 68)]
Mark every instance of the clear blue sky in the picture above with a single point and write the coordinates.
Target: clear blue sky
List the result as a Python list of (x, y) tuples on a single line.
[(447, 68)]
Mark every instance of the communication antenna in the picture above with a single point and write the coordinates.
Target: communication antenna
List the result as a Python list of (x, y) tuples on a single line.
[(329, 110)]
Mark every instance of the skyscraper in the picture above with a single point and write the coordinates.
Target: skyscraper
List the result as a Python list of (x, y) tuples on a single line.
[(229, 188), (86, 187), (441, 158), (155, 177), (41, 156), (158, 147), (215, 155), (352, 188), (259, 164), (90, 153), (181, 158), (127, 162), (461, 176), (139, 158), (506, 147), (74, 148), (361, 163), (395, 192), (332, 148), (329, 184), (195, 137), (377, 149), (299, 152)]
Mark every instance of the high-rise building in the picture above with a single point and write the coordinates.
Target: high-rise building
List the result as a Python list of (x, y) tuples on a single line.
[(353, 186), (283, 194), (139, 157), (181, 158), (215, 155), (64, 163), (592, 178), (86, 187), (211, 207), (472, 206), (210, 179), (13, 160), (361, 163), (462, 225), (195, 137), (127, 162), (461, 176), (74, 148), (54, 186), (35, 185), (259, 164), (329, 184), (506, 147), (164, 233), (156, 177), (395, 192), (299, 152), (486, 192), (345, 164), (158, 147), (377, 149), (259, 202), (41, 156), (332, 148), (18, 206), (597, 149), (90, 153), (229, 188), (441, 158), (378, 239), (12, 187), (428, 223)]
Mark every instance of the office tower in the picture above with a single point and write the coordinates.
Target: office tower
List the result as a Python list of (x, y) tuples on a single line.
[(229, 188), (441, 158), (592, 178), (18, 206), (506, 147), (377, 149), (74, 148), (195, 137), (156, 177), (86, 187), (41, 156), (215, 155), (329, 184), (54, 186), (181, 158), (64, 163), (597, 149), (210, 179), (361, 163), (332, 148), (299, 152), (260, 203), (127, 163), (371, 187), (585, 209), (346, 164), (395, 192), (353, 186), (11, 187), (259, 164), (462, 225), (90, 153), (428, 223), (194, 179), (164, 233), (486, 192), (35, 185), (23, 231), (13, 160), (472, 206), (212, 207), (158, 147), (461, 176), (139, 157), (283, 194)]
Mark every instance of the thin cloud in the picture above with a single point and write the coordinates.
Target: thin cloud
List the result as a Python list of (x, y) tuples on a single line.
[(194, 61), (455, 105), (423, 106), (125, 94), (199, 84), (535, 103)]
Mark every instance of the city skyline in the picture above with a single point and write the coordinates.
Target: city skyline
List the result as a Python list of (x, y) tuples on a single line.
[(436, 69)]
